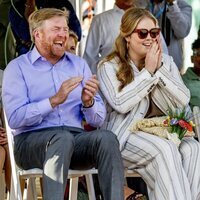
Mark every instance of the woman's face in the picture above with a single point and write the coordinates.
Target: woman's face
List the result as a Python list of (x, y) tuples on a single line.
[(138, 47), (71, 45)]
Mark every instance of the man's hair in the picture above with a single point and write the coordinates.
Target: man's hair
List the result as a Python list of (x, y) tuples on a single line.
[(196, 44), (37, 18)]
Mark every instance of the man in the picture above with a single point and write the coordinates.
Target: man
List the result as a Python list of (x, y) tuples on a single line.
[(55, 90), (192, 76), (103, 31), (175, 20), (20, 11)]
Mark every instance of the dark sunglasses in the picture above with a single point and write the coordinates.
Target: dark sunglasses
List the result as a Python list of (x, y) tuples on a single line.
[(143, 33)]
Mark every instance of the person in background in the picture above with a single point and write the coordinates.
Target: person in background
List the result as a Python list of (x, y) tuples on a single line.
[(55, 90), (88, 8), (4, 157), (138, 81), (87, 12), (20, 11), (4, 151), (103, 31), (175, 19), (7, 52), (192, 76), (72, 43), (101, 36)]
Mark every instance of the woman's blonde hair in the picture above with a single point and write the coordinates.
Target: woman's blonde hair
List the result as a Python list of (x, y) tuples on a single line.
[(74, 36), (129, 22), (37, 18)]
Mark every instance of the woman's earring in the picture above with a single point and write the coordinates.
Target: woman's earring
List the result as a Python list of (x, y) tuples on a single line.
[(127, 45)]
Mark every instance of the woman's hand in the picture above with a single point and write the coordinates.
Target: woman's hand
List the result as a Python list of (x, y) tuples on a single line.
[(160, 53), (153, 56)]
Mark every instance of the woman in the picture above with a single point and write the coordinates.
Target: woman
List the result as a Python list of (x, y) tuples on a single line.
[(72, 43), (138, 81)]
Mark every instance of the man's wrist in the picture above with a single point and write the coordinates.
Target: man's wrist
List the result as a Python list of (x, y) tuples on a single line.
[(53, 101), (88, 104)]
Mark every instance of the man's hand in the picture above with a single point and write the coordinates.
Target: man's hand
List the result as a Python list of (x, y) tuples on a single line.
[(3, 136), (66, 87), (89, 91)]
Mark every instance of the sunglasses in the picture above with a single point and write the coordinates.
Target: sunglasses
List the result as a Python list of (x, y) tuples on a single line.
[(143, 33)]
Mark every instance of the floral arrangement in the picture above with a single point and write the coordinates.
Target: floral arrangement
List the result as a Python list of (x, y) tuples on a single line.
[(173, 127), (179, 122)]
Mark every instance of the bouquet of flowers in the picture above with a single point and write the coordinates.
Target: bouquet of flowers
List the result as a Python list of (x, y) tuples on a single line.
[(179, 123), (173, 127)]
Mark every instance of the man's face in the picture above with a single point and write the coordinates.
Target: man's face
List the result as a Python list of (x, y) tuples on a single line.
[(125, 4), (51, 38), (196, 58)]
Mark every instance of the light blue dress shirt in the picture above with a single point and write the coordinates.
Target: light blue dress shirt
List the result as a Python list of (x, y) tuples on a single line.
[(28, 83)]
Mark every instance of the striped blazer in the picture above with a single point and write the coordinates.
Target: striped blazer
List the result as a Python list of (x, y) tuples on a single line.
[(131, 104)]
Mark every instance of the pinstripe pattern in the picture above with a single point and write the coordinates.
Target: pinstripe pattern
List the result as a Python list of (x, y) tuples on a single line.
[(125, 107), (170, 173)]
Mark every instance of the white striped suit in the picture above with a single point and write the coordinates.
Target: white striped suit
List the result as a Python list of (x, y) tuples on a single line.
[(170, 174)]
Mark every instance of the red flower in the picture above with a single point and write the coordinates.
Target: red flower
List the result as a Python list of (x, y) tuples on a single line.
[(185, 125), (166, 123)]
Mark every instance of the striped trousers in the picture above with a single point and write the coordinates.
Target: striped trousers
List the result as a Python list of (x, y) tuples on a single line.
[(170, 173)]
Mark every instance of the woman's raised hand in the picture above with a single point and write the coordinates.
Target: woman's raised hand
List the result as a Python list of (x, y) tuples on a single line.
[(153, 57)]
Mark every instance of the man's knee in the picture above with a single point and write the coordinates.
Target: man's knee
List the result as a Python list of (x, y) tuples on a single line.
[(107, 140), (63, 140)]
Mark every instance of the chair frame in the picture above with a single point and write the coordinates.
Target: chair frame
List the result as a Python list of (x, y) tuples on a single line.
[(31, 174), (196, 118)]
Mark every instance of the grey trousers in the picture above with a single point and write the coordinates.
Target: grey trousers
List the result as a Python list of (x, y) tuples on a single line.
[(57, 149)]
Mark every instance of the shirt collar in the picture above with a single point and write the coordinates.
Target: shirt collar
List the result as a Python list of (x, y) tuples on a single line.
[(35, 55), (191, 75)]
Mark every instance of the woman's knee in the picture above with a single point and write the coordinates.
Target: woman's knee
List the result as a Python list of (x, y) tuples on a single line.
[(168, 151), (189, 147)]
